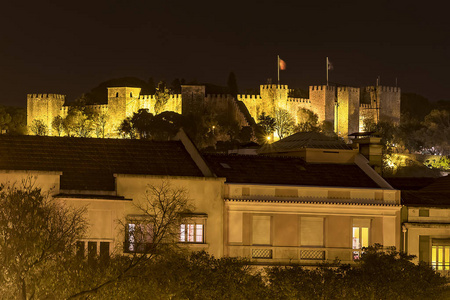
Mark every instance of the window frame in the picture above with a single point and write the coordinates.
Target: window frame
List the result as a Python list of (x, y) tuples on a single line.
[(363, 239), (196, 220), (144, 242)]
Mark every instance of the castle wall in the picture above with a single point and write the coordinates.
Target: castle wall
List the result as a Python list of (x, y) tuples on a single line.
[(122, 102), (273, 96), (389, 99), (44, 107), (193, 99), (294, 104), (253, 104), (322, 98), (347, 111)]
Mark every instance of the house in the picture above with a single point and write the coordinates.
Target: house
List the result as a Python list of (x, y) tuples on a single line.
[(110, 178), (270, 209), (284, 209), (426, 221)]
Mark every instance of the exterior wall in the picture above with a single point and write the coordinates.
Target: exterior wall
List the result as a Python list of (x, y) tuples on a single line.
[(122, 102), (285, 208), (347, 111), (421, 226), (193, 99), (323, 98), (44, 107), (383, 104), (205, 195)]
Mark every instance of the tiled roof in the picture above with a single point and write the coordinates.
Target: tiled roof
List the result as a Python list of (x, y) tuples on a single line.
[(301, 140), (425, 198), (409, 183), (89, 164), (436, 193), (257, 169)]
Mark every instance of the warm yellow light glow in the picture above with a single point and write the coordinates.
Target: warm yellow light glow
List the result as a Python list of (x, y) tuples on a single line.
[(268, 138)]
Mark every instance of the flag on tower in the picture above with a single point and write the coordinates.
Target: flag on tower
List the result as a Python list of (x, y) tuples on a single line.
[(282, 65), (330, 65)]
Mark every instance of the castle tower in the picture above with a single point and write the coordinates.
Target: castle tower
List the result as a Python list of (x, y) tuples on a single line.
[(193, 99), (44, 107), (273, 96), (122, 103), (347, 111), (389, 103), (322, 99)]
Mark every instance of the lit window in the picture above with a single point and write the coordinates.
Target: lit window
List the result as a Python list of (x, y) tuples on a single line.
[(360, 236), (139, 237), (440, 255), (192, 232)]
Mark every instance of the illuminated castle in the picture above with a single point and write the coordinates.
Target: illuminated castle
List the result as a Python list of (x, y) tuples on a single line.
[(343, 107)]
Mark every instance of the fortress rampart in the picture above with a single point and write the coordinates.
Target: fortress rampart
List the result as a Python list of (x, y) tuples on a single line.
[(345, 107)]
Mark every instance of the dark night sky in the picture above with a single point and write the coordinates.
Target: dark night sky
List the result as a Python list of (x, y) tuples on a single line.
[(69, 47)]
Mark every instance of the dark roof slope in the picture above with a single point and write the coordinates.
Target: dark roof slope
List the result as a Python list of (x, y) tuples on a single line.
[(257, 169), (302, 140), (89, 164), (437, 193)]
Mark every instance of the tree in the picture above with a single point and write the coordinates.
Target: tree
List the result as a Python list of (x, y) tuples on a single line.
[(389, 274), (141, 121), (38, 127), (37, 234), (267, 123), (379, 274), (5, 119), (154, 234), (284, 123), (162, 96), (126, 129), (307, 121), (436, 131), (58, 125), (100, 124)]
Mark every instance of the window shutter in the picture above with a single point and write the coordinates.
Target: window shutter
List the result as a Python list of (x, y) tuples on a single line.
[(424, 248)]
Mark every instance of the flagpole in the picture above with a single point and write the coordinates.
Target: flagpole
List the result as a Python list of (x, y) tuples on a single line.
[(278, 68), (327, 70)]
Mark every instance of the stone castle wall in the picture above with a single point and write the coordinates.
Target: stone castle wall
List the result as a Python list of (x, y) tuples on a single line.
[(341, 106), (43, 107)]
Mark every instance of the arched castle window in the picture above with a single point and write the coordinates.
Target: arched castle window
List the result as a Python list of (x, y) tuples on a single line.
[(117, 94), (131, 94)]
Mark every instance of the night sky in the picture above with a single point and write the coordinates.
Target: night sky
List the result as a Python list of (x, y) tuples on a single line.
[(69, 47)]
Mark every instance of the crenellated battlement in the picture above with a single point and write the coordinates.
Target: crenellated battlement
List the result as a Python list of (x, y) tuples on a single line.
[(389, 89), (348, 88), (321, 88), (299, 100), (242, 97), (366, 106), (45, 96), (146, 97), (274, 86)]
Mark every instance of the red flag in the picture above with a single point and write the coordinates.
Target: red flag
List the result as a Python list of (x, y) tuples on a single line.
[(282, 65)]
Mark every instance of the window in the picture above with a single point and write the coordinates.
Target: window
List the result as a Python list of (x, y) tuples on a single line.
[(138, 237), (440, 254), (191, 233), (261, 230), (360, 236), (93, 249), (192, 229)]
